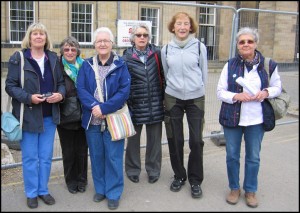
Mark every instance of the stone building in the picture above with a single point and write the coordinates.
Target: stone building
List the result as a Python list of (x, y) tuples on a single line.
[(279, 32)]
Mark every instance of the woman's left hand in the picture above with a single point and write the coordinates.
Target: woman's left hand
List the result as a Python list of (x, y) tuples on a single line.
[(54, 98), (261, 95)]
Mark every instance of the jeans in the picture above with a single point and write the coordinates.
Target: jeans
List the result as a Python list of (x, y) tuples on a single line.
[(194, 109), (253, 136), (37, 152), (106, 161)]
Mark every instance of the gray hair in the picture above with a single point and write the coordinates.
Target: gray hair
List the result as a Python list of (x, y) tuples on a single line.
[(248, 31), (135, 28), (71, 41), (103, 30)]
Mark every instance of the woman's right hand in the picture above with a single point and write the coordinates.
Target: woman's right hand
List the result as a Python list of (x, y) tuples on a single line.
[(37, 98)]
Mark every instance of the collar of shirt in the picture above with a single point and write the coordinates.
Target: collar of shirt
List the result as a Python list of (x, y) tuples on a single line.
[(108, 62)]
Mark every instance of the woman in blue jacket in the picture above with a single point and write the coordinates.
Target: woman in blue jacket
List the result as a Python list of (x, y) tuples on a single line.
[(42, 74), (114, 79)]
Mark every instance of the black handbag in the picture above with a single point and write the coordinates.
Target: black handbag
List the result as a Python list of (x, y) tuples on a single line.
[(70, 110)]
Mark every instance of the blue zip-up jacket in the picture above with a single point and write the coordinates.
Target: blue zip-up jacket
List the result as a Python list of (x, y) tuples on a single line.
[(116, 88), (33, 113), (229, 115)]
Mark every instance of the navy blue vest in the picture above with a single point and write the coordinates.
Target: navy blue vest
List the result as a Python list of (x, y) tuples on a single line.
[(229, 115)]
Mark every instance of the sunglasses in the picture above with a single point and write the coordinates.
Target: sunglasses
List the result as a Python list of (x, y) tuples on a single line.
[(242, 42), (73, 50), (140, 35)]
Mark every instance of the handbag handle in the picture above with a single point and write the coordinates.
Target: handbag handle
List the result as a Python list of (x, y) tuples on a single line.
[(22, 85)]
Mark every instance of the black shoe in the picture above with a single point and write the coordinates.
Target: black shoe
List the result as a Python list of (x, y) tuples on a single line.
[(134, 178), (81, 188), (72, 189), (32, 202), (196, 191), (113, 204), (152, 179), (98, 197), (176, 184), (48, 199)]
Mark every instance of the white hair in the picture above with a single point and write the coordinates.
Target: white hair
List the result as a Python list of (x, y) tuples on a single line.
[(248, 31), (103, 30)]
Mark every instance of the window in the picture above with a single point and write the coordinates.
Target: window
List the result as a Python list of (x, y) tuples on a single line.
[(21, 14), (207, 28), (81, 22), (150, 14)]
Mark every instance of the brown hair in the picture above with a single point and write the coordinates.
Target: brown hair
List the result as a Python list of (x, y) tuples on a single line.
[(193, 23)]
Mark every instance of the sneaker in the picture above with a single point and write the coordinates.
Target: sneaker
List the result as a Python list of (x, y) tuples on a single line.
[(233, 197), (176, 184), (112, 204), (196, 191), (251, 199)]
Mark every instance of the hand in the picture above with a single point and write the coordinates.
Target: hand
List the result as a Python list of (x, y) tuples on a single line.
[(54, 98), (261, 95), (243, 97), (96, 111), (37, 98)]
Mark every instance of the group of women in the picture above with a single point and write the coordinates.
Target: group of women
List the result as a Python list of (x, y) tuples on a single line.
[(158, 85)]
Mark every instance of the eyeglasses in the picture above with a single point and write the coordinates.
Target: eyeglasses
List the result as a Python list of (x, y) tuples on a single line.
[(73, 50), (140, 35), (106, 42), (242, 42)]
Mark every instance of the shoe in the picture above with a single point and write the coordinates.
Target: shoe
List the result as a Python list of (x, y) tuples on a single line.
[(113, 204), (176, 184), (81, 188), (98, 197), (48, 199), (72, 189), (32, 202), (196, 191), (152, 179), (134, 178), (251, 199), (233, 197)]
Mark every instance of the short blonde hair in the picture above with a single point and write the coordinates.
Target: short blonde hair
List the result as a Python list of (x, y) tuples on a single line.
[(36, 27)]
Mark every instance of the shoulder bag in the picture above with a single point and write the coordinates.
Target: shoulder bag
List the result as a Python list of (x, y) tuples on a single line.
[(119, 123), (11, 127), (280, 103)]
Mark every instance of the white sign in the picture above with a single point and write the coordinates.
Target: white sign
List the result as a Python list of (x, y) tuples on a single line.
[(124, 30)]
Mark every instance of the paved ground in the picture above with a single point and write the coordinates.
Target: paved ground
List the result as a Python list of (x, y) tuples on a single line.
[(278, 183)]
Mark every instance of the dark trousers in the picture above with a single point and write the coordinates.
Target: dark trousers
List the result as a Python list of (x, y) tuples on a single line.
[(153, 151), (194, 109), (75, 155)]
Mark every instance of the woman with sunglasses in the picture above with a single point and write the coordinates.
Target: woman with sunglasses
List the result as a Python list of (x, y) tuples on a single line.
[(72, 135), (243, 112), (185, 67), (145, 103)]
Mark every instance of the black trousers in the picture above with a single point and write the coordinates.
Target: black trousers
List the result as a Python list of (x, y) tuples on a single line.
[(75, 155), (194, 109)]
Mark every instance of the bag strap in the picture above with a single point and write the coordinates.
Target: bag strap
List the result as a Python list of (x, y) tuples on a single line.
[(95, 68), (22, 85), (159, 72)]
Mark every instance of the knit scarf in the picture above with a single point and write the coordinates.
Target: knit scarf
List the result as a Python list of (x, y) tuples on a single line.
[(249, 64), (180, 43), (72, 69)]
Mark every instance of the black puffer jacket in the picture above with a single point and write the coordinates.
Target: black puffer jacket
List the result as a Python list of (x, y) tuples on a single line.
[(147, 86)]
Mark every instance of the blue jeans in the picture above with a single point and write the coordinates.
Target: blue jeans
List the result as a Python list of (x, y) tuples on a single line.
[(37, 152), (253, 136), (106, 161)]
